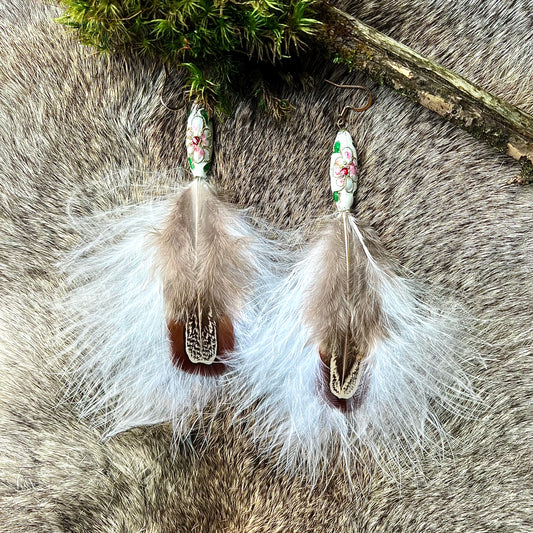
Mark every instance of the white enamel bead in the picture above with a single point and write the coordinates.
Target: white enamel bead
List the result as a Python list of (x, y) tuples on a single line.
[(199, 142), (343, 171)]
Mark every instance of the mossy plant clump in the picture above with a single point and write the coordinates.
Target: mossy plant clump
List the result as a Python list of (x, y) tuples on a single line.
[(215, 40)]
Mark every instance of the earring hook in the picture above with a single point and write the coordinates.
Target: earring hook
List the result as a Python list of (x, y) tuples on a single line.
[(341, 122)]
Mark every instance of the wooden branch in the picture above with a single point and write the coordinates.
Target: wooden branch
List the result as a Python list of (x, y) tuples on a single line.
[(453, 97)]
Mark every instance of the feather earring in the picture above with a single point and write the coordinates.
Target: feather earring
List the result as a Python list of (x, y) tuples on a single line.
[(157, 299), (201, 264), (352, 360)]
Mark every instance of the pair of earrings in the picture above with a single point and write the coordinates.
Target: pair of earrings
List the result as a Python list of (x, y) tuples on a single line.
[(175, 301)]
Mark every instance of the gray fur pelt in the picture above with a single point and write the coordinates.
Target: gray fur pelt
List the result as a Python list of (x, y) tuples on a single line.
[(80, 135)]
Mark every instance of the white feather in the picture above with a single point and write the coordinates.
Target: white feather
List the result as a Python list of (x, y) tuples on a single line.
[(120, 370), (410, 376)]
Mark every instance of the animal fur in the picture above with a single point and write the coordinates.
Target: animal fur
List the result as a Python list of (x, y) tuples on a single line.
[(82, 135)]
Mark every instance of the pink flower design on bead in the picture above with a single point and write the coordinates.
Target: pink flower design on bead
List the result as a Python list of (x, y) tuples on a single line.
[(198, 140), (345, 170), (341, 167)]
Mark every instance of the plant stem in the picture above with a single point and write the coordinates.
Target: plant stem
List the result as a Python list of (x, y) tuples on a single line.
[(453, 97)]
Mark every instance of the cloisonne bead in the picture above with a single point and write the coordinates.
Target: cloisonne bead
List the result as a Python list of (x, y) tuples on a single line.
[(199, 142), (343, 171)]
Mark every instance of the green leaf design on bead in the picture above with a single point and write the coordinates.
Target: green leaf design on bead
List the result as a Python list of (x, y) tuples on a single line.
[(207, 167), (191, 164), (204, 114), (337, 148), (335, 196)]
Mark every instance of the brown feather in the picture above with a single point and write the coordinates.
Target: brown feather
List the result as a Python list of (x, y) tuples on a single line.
[(343, 308), (224, 343), (206, 278), (324, 389), (200, 257)]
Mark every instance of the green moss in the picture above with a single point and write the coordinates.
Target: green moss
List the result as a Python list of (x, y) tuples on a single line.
[(212, 39)]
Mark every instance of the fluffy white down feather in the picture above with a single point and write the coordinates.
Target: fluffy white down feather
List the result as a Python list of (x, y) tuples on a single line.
[(414, 378), (120, 371)]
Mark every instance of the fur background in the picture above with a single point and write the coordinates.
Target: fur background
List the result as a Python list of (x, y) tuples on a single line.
[(79, 133)]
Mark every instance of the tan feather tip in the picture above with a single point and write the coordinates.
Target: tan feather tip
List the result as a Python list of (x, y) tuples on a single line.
[(324, 389), (330, 393), (213, 358)]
